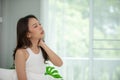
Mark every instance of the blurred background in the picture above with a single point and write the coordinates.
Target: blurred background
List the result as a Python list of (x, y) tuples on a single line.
[(84, 33)]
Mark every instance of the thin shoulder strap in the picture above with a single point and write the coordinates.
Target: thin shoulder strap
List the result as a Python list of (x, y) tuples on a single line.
[(28, 50)]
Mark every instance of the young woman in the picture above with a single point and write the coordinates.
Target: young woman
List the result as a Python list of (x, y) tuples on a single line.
[(31, 52)]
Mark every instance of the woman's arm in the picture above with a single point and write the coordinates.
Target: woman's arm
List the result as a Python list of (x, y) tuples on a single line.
[(20, 64), (56, 60)]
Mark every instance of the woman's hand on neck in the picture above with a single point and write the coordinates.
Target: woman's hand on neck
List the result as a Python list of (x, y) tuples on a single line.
[(41, 43)]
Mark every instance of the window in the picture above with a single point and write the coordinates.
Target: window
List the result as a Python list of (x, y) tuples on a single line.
[(85, 33)]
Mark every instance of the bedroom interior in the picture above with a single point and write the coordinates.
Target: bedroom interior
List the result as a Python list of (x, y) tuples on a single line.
[(85, 33)]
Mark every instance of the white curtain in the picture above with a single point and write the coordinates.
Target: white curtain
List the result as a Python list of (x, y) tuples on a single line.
[(79, 32)]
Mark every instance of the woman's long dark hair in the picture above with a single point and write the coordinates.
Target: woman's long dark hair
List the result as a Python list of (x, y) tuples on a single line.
[(23, 41)]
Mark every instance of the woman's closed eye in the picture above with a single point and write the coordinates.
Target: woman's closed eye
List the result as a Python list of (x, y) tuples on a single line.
[(35, 26)]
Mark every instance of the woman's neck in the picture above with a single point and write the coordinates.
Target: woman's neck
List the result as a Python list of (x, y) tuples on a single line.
[(34, 44)]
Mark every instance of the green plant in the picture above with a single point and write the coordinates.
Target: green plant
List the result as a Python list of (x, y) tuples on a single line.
[(50, 70)]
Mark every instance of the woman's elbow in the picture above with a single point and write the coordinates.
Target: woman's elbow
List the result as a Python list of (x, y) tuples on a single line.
[(60, 64)]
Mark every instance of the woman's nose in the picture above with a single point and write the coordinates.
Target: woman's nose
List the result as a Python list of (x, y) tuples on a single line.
[(40, 26)]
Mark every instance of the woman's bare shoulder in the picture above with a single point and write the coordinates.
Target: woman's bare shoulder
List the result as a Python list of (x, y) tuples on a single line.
[(22, 53)]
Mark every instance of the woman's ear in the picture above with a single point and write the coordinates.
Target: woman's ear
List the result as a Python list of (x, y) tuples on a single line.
[(28, 35)]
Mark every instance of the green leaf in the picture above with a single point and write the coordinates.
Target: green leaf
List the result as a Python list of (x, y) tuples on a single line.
[(56, 76), (52, 72)]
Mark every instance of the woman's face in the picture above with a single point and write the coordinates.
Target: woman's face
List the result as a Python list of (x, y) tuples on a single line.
[(35, 29)]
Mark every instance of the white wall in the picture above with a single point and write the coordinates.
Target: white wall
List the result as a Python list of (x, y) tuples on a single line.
[(12, 10)]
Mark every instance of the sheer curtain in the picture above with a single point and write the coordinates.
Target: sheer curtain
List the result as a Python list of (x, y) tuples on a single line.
[(85, 33)]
